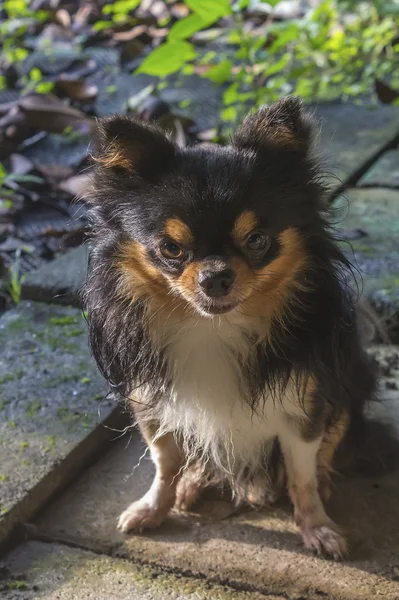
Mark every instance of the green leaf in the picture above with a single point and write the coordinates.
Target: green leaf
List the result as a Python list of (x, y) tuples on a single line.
[(186, 27), (167, 59), (229, 114), (35, 75), (277, 66), (44, 87), (210, 9), (3, 172), (289, 34), (123, 7), (220, 73), (231, 94)]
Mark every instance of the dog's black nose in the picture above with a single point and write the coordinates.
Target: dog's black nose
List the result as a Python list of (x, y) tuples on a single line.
[(216, 283)]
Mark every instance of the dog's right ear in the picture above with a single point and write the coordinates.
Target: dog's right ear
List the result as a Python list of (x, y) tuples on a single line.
[(125, 144)]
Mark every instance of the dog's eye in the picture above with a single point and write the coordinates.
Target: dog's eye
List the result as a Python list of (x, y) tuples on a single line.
[(170, 250), (258, 241)]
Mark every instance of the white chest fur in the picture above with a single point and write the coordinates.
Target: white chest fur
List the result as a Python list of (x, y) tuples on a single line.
[(208, 404)]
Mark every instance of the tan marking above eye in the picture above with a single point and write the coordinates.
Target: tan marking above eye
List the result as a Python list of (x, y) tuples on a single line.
[(244, 224), (178, 231)]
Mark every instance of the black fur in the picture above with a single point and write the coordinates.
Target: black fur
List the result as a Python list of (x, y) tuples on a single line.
[(208, 188)]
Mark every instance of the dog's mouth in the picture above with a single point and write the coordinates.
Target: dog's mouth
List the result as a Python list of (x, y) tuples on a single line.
[(217, 306)]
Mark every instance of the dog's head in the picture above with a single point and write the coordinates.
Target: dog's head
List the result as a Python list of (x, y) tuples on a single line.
[(213, 229)]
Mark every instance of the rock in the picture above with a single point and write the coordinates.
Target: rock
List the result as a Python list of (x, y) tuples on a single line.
[(63, 573), (51, 407), (384, 172), (375, 212), (60, 280)]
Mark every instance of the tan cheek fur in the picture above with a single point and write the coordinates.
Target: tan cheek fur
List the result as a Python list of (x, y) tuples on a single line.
[(270, 288)]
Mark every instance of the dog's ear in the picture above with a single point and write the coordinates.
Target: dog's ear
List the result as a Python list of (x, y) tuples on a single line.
[(283, 125), (125, 144)]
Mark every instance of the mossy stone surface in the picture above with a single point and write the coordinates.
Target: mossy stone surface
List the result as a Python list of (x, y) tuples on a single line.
[(384, 172), (369, 218), (57, 572), (49, 401)]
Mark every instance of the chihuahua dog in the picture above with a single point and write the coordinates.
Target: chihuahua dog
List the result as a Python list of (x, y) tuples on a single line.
[(218, 304)]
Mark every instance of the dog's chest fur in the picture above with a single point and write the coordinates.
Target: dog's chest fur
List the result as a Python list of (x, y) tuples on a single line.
[(208, 401)]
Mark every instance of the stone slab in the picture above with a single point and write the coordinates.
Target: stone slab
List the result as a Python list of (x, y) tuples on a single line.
[(57, 572), (370, 219), (60, 280), (352, 135), (263, 548), (52, 406), (384, 172)]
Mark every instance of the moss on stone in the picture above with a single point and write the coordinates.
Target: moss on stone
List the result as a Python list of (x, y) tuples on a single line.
[(33, 407)]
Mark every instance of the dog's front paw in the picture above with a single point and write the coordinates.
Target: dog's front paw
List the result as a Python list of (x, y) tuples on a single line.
[(325, 540), (141, 515)]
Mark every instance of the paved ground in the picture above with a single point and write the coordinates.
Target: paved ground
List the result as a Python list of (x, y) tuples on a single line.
[(51, 431)]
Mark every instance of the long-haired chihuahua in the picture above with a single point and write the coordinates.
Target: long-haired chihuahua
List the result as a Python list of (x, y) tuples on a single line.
[(218, 304)]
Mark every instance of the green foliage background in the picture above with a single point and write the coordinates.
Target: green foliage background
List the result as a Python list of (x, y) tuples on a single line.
[(337, 51)]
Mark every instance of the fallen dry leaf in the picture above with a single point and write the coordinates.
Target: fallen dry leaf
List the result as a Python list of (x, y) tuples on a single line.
[(75, 185), (207, 135), (49, 113), (76, 89), (131, 34), (385, 93), (54, 174), (20, 165), (131, 50)]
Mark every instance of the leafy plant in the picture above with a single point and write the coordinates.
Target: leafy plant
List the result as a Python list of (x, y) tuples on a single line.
[(336, 50), (16, 279)]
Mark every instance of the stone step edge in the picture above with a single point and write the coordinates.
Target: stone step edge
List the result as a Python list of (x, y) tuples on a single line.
[(87, 451)]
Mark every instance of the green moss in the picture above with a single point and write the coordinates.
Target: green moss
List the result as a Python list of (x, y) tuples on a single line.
[(17, 374), (16, 584), (12, 424), (3, 402), (50, 443), (23, 445), (17, 326), (3, 477), (85, 380), (33, 407), (5, 378), (25, 462), (75, 332), (62, 411), (60, 379), (67, 320), (98, 397)]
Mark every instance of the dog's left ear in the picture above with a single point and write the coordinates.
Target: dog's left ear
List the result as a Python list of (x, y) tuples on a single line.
[(283, 125)]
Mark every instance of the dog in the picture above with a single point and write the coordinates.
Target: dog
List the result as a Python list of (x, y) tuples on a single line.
[(218, 303)]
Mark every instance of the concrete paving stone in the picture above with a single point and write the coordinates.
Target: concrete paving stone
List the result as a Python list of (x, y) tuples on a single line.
[(370, 219), (60, 280), (55, 572), (384, 172), (261, 548), (51, 406), (351, 136)]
